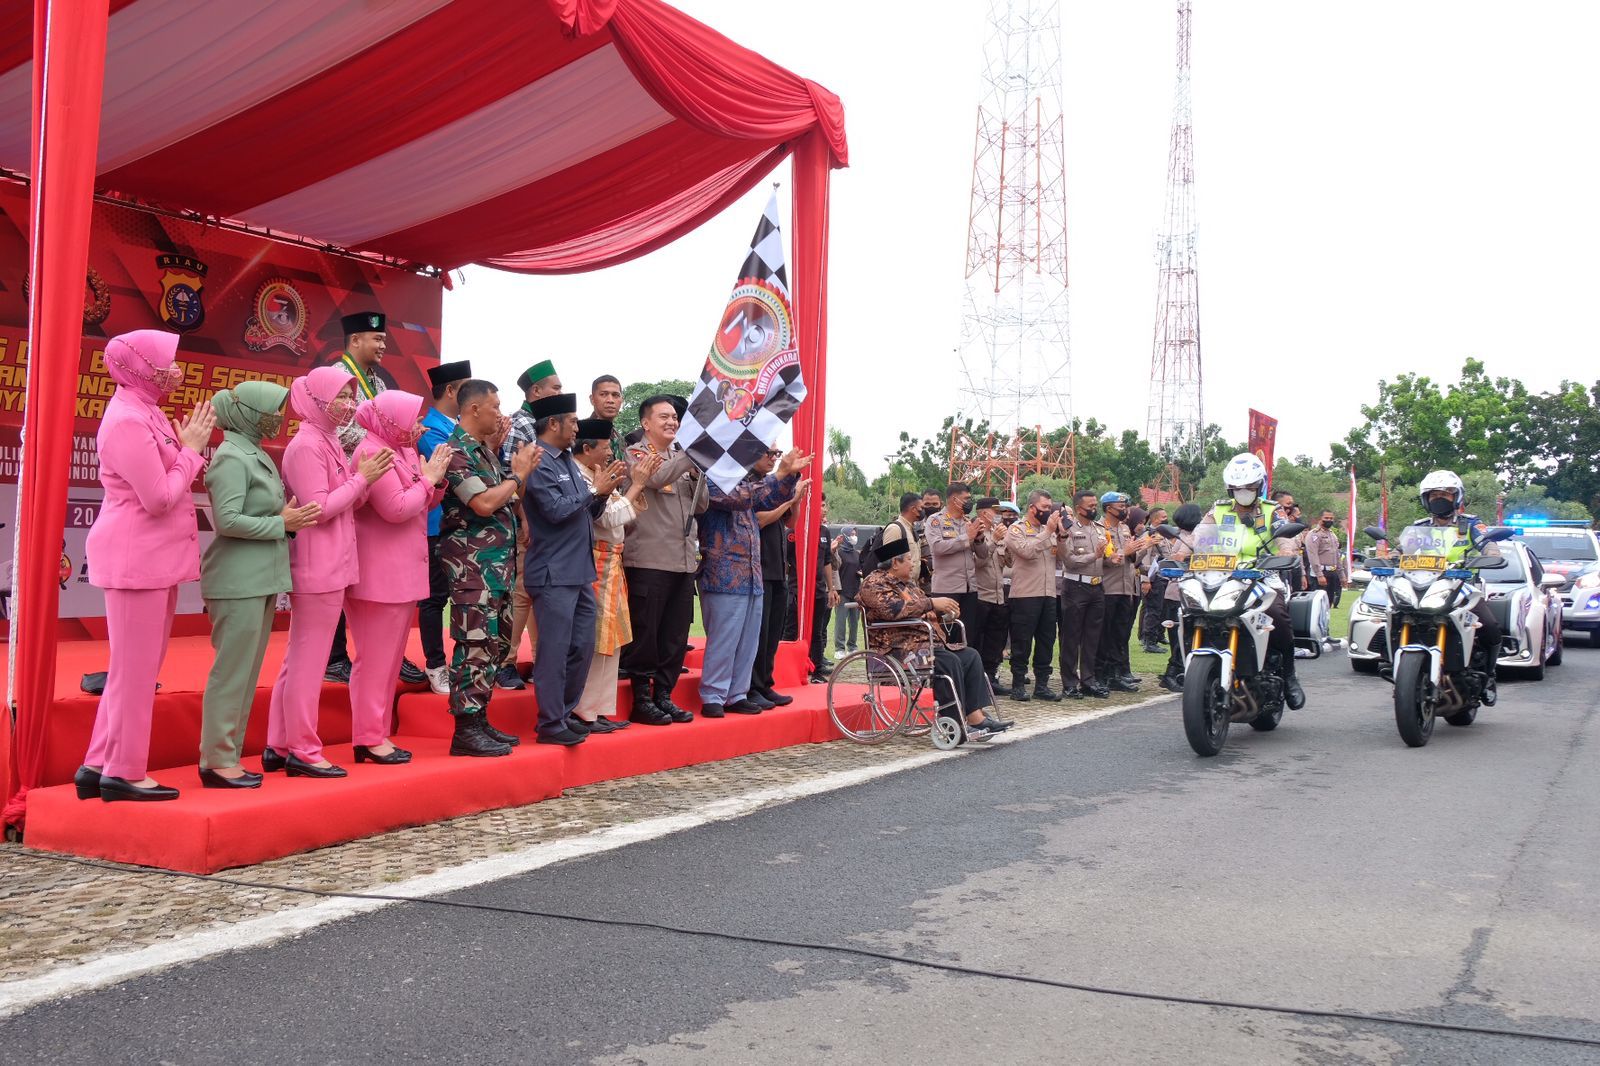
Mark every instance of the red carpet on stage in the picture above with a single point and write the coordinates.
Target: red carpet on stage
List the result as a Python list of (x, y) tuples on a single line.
[(206, 830)]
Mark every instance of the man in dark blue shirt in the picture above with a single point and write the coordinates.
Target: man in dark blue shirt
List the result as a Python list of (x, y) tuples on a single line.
[(559, 571)]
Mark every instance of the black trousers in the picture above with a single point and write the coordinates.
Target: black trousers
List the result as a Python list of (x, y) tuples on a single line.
[(1169, 612), (773, 607), (988, 631), (1033, 629), (967, 605), (1281, 639), (661, 607), (1487, 642), (1152, 613), (1083, 617), (1111, 658), (820, 614), (1332, 588), (964, 666), (430, 612)]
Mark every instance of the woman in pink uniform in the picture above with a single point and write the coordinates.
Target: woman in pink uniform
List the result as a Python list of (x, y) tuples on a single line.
[(143, 545), (322, 563), (392, 534)]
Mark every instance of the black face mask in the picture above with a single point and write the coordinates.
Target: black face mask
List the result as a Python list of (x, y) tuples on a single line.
[(966, 508), (1441, 508), (1328, 524), (929, 510), (1090, 515)]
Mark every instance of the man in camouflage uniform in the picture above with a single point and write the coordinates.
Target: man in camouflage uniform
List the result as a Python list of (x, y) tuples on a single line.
[(477, 539)]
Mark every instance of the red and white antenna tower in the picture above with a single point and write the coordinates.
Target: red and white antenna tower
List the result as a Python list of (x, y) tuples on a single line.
[(1175, 418), (1016, 365)]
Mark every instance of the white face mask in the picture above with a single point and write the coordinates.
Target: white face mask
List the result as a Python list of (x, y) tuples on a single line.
[(1244, 497)]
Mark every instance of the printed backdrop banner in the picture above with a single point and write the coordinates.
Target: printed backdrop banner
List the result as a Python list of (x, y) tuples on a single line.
[(248, 307), (1263, 439)]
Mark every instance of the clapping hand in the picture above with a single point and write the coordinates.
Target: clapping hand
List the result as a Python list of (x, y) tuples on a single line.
[(609, 478), (194, 430), (376, 465), (645, 468), (497, 439), (524, 459), (296, 518), (793, 461), (437, 463)]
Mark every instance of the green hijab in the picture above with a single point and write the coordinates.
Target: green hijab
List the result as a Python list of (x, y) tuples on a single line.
[(240, 410)]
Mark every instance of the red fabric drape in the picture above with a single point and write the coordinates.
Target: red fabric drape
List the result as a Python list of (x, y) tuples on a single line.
[(810, 241), (70, 35)]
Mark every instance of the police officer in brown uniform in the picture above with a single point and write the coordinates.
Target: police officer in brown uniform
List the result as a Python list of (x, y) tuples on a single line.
[(1121, 587), (1324, 557), (1082, 551), (1029, 550), (991, 625)]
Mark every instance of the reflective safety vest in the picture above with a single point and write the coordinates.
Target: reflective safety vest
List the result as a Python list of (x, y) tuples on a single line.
[(1246, 538), (1466, 536)]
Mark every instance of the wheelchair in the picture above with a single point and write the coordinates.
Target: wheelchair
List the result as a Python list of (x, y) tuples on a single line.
[(873, 697)]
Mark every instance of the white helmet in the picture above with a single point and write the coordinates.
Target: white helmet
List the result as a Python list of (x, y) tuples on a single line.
[(1245, 477), (1243, 471), (1446, 480)]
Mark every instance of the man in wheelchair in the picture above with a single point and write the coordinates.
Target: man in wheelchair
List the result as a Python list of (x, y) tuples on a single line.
[(891, 594)]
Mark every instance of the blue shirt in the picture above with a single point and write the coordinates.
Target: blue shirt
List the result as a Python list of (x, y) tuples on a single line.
[(730, 539), (561, 509), (437, 427)]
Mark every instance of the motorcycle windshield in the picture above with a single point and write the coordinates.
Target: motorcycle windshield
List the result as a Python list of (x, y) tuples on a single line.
[(1215, 548), (1425, 547)]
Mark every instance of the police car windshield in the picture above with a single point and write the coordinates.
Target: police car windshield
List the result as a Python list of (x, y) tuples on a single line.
[(1549, 545)]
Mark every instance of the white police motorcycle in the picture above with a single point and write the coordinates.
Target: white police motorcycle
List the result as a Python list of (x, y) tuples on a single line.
[(1431, 629), (1230, 674)]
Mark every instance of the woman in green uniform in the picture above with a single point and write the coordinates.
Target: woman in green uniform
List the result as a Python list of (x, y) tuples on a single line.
[(243, 570)]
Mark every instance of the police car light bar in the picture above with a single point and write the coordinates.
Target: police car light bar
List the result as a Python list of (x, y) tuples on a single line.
[(1536, 522)]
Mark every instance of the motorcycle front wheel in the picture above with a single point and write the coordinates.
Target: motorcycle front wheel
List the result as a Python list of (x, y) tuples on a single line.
[(1205, 706), (1413, 710)]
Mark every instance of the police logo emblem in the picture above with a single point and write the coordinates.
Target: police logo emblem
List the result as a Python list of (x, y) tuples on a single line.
[(280, 319), (184, 277)]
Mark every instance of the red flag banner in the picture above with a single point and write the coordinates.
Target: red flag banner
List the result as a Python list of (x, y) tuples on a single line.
[(1262, 440)]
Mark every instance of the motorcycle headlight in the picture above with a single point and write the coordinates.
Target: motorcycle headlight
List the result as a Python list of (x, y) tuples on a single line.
[(1403, 593), (1228, 597), (1437, 597), (1193, 594)]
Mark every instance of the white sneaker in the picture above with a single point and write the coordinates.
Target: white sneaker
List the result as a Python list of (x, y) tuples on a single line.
[(439, 679)]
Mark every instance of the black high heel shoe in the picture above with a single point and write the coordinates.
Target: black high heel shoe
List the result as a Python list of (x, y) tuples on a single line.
[(298, 767), (212, 779), (397, 757), (87, 780), (271, 760), (118, 788)]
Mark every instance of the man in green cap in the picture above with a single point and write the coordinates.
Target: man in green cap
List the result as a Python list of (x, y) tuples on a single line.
[(536, 382)]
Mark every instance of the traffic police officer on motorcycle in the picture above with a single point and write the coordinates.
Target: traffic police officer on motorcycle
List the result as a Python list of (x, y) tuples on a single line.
[(1242, 514), (1444, 495)]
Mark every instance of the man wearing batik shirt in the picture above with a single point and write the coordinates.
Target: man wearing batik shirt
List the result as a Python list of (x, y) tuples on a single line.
[(889, 594), (536, 382), (731, 586), (477, 538)]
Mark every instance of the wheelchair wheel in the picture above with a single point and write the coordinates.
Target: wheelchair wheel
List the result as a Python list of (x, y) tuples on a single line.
[(948, 733), (868, 697)]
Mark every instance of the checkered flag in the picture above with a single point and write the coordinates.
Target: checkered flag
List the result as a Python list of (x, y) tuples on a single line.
[(751, 384)]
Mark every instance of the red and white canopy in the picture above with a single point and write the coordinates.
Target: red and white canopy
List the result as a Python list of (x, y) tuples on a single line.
[(535, 135), (540, 135)]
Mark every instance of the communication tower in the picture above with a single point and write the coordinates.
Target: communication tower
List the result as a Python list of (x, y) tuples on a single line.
[(1015, 361)]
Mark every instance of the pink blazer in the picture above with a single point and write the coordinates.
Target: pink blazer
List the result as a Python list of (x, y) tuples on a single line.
[(322, 558), (146, 536), (392, 530)]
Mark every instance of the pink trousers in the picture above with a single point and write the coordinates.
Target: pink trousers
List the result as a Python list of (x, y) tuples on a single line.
[(379, 631), (138, 623), (292, 715)]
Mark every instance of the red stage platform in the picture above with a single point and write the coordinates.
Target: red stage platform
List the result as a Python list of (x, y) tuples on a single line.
[(207, 830)]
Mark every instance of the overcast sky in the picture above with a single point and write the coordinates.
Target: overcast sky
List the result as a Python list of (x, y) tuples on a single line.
[(1382, 187)]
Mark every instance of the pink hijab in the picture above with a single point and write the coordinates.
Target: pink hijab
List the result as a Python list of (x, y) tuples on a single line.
[(322, 383), (131, 357), (389, 419)]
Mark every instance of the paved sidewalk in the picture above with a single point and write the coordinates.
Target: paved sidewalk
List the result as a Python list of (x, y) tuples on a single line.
[(55, 913)]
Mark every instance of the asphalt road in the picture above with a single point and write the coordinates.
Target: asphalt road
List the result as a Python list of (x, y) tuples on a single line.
[(1325, 865)]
